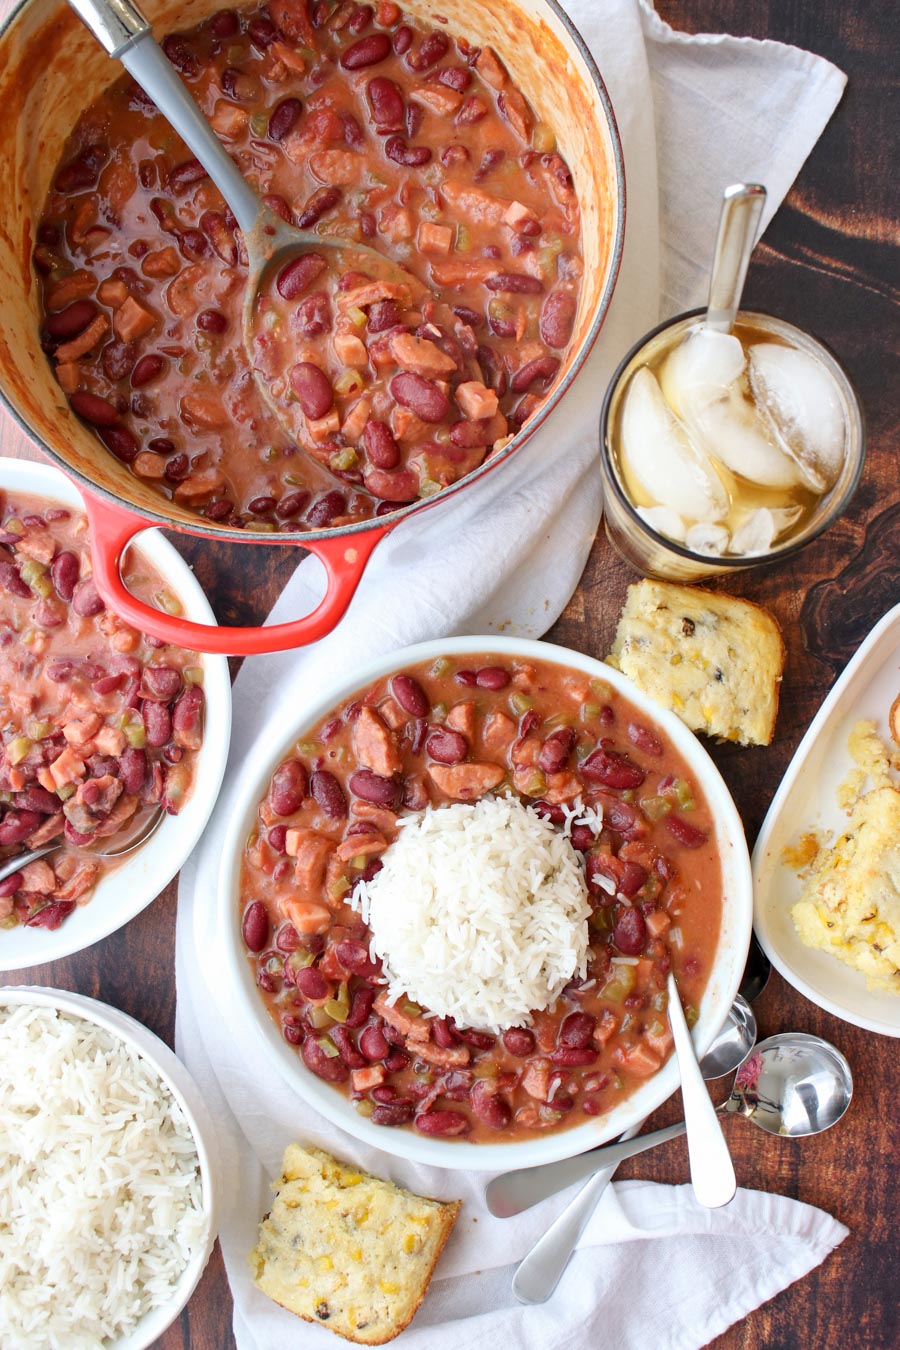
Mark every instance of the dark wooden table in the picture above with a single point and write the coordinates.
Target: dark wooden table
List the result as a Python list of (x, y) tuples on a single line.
[(825, 263)]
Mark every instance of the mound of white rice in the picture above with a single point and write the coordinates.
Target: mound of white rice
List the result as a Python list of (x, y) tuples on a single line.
[(480, 911), (100, 1190)]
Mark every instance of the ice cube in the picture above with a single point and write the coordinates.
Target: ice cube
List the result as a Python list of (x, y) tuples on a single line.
[(730, 431), (799, 399), (701, 369), (707, 538), (755, 534), (664, 520), (662, 459)]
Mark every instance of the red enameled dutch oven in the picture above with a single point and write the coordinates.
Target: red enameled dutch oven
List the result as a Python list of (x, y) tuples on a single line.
[(51, 69)]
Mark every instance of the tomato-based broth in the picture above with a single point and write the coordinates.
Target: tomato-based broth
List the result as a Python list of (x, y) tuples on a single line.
[(361, 125), (100, 724), (463, 730)]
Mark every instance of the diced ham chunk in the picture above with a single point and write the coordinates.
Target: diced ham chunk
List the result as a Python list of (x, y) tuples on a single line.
[(375, 744), (468, 781), (363, 1079), (38, 876), (476, 401), (361, 846), (132, 320), (461, 717), (416, 1028), (456, 1057), (498, 733), (350, 350), (433, 239), (536, 1079), (66, 768), (79, 732), (420, 356), (312, 852), (306, 916)]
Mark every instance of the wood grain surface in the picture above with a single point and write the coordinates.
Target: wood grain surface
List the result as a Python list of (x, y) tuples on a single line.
[(827, 263)]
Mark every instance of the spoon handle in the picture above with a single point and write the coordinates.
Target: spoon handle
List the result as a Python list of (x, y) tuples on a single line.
[(712, 1171), (121, 28), (11, 865), (742, 206)]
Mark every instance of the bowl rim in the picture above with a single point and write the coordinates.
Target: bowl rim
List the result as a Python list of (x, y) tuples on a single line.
[(186, 1093), (246, 1003), (170, 846), (724, 563), (156, 516)]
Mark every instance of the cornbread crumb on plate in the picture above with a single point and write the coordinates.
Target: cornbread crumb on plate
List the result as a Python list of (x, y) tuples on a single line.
[(344, 1249), (850, 903), (714, 660)]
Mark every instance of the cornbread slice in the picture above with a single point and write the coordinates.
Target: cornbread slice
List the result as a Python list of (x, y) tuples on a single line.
[(346, 1250), (850, 903), (714, 660)]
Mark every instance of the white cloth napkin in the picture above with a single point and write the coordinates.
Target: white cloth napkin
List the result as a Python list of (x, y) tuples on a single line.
[(695, 114)]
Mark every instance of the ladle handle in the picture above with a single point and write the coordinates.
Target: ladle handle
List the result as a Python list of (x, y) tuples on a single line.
[(119, 26), (712, 1171), (742, 206)]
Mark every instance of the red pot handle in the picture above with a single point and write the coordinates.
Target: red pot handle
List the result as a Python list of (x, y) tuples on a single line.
[(344, 559)]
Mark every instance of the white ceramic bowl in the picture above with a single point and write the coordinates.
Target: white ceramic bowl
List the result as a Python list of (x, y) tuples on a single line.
[(187, 1094), (276, 1054), (140, 877)]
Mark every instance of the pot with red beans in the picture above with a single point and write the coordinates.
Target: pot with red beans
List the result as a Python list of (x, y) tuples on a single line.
[(661, 866)]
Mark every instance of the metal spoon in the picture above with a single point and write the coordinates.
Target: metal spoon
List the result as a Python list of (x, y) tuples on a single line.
[(540, 1271), (792, 1084), (712, 1171), (126, 35), (756, 971), (742, 206), (149, 827)]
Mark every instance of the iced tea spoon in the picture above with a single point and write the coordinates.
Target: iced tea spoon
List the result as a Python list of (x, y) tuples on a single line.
[(742, 206), (540, 1271), (127, 845), (122, 30), (792, 1084)]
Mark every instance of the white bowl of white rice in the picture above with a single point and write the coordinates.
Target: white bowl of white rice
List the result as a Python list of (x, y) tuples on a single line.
[(245, 1005), (108, 1193)]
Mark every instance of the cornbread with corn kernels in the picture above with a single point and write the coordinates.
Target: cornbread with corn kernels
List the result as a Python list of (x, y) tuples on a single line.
[(850, 903), (714, 660), (346, 1250)]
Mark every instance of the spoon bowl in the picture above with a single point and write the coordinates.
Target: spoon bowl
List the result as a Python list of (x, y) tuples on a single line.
[(793, 1085), (123, 842)]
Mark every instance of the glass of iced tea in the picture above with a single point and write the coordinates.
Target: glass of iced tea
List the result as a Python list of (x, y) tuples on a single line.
[(721, 451)]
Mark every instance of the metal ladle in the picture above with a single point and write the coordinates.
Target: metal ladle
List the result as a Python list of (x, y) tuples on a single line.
[(540, 1271), (123, 31), (792, 1084)]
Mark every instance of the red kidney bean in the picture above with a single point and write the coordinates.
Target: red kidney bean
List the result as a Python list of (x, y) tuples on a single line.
[(261, 506), (354, 136), (161, 445), (147, 369), (107, 684), (276, 838), (443, 1033), (291, 504), (289, 788), (189, 171), (433, 48), (489, 1106), (571, 1058), (452, 155), (278, 206), (93, 409), (224, 23), (188, 710), (402, 40), (447, 747), (443, 1123), (284, 118), (632, 878), (489, 161), (287, 939), (420, 731), (644, 739), (421, 396), (211, 321), (410, 695), (360, 1005), (373, 1043), (313, 389), (468, 435), (624, 819), (466, 677), (455, 77), (85, 600), (291, 1030), (117, 359), (519, 1041), (354, 956), (372, 787), (514, 283), (57, 671), (64, 572), (82, 172), (133, 769), (688, 835), (577, 1030), (120, 442), (556, 750), (52, 915), (410, 156), (479, 1040), (413, 119), (71, 321), (360, 19), (557, 318), (161, 682), (329, 794), (368, 51), (493, 369), (322, 200), (255, 926), (630, 932), (158, 722), (179, 53), (382, 316), (492, 677), (312, 316), (613, 769), (331, 1068), (472, 110), (386, 105), (312, 983), (16, 826), (393, 1113), (381, 448), (326, 508), (178, 469), (262, 31), (542, 368), (38, 799), (297, 275), (10, 884), (349, 1053)]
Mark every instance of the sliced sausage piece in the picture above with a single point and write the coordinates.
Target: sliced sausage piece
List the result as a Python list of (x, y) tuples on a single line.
[(375, 745), (466, 782), (312, 852)]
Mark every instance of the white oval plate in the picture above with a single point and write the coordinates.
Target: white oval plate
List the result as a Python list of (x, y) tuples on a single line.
[(807, 799)]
